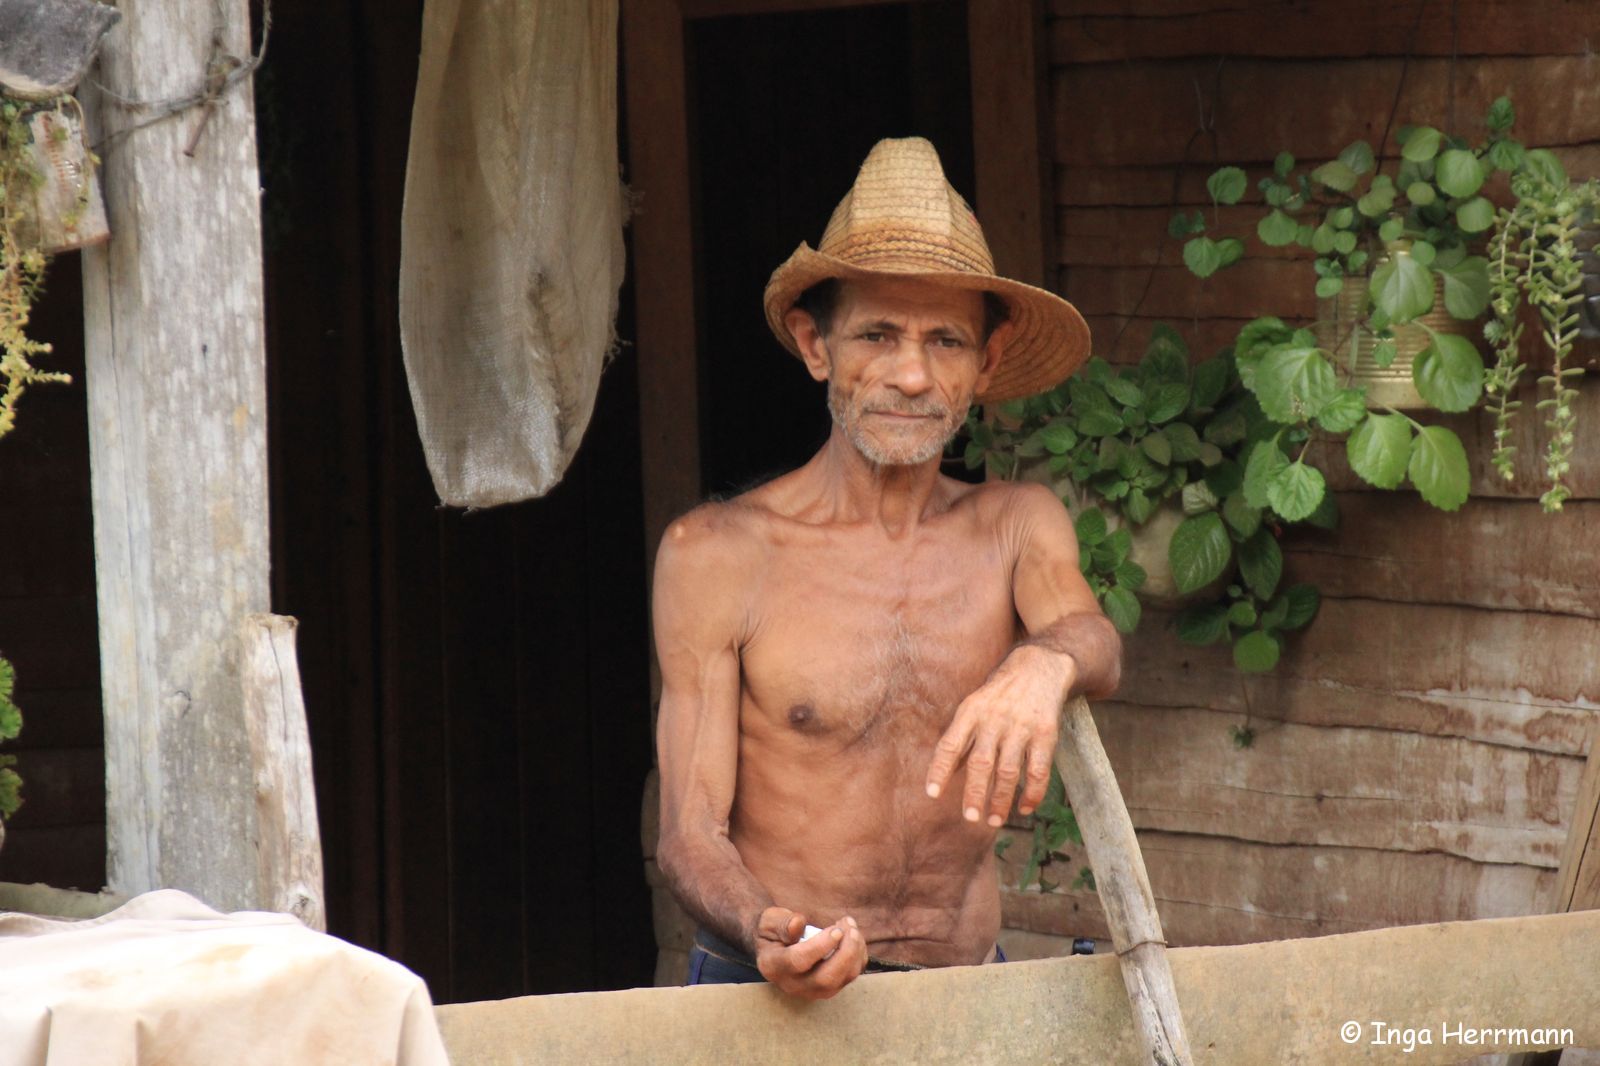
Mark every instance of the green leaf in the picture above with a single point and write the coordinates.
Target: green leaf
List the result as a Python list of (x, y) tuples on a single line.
[(1166, 357), (1542, 163), (1138, 506), (1198, 498), (1466, 286), (1344, 242), (1296, 491), (1438, 468), (1266, 463), (1326, 516), (1449, 373), (1476, 215), (1181, 225), (1058, 438), (1342, 217), (1226, 185), (1377, 201), (1167, 402), (1379, 448), (1336, 175), (1122, 607), (1158, 448), (1423, 252), (1327, 288), (1199, 551), (1421, 145), (1202, 256), (1277, 229), (1244, 519), (1210, 379), (1091, 527), (1125, 391), (1184, 442), (1256, 652), (1458, 172), (1294, 383), (1225, 479), (1202, 624), (1402, 288), (1419, 193), (1383, 353), (1282, 164), (1500, 115), (1357, 156), (1100, 422), (1242, 614), (1322, 239), (10, 715), (1341, 414), (1507, 154), (1130, 575), (1261, 563), (1303, 601), (1391, 229)]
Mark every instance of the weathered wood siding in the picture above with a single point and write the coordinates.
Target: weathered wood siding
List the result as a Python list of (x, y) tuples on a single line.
[(1418, 749)]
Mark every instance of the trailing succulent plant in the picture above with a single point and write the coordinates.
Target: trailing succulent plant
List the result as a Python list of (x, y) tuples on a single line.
[(1534, 256)]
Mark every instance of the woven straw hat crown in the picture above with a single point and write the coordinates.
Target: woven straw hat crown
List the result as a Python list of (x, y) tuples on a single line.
[(902, 217)]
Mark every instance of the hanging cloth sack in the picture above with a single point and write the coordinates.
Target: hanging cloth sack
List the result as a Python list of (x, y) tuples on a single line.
[(511, 241)]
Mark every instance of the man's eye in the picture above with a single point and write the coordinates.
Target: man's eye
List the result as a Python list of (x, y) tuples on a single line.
[(873, 336), (950, 342)]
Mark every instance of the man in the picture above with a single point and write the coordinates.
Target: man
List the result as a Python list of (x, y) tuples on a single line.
[(835, 643)]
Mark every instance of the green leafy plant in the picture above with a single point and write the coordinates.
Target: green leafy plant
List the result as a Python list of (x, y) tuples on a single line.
[(10, 726), (1132, 439), (1533, 257), (1054, 826), (1347, 212), (22, 265)]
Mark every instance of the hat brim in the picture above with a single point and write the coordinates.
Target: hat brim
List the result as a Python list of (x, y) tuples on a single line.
[(1050, 339)]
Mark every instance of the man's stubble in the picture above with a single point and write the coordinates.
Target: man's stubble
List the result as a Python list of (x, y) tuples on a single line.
[(848, 415)]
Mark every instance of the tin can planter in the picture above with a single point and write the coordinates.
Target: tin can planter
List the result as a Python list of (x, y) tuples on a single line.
[(1340, 331), (61, 208)]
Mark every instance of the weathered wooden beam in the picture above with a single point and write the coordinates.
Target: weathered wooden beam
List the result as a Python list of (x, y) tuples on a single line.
[(177, 429), (289, 843), (1279, 1002), (1011, 136), (1123, 887)]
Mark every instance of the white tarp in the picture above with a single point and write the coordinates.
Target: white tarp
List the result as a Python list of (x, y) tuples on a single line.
[(166, 979), (511, 241)]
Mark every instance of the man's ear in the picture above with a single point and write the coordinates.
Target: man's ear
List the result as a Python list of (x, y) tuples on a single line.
[(993, 349), (812, 345)]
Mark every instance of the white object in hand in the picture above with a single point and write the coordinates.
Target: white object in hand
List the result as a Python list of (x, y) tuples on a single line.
[(811, 931)]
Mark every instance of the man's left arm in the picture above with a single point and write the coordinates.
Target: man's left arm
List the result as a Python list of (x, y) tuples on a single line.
[(1007, 729)]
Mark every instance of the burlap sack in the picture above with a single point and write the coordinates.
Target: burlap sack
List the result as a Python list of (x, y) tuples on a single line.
[(511, 241)]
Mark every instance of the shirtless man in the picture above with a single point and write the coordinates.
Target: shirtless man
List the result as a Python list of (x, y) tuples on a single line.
[(837, 642)]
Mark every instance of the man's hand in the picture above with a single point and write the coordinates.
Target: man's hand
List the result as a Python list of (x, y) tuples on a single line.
[(1009, 723), (812, 969)]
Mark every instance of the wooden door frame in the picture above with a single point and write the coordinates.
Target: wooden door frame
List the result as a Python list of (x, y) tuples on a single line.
[(1012, 163)]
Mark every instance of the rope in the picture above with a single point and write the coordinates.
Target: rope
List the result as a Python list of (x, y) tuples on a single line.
[(224, 70)]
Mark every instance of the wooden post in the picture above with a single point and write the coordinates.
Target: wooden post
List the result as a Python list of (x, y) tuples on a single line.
[(289, 845), (178, 451), (1123, 886)]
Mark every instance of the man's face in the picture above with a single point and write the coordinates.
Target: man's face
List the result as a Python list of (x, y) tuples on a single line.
[(904, 360)]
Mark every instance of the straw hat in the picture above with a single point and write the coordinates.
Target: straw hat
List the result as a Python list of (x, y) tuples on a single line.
[(902, 218)]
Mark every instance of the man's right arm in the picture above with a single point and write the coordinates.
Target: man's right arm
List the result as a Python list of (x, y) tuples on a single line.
[(701, 580)]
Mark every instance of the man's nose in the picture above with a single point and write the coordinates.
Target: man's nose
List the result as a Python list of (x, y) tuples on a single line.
[(911, 372)]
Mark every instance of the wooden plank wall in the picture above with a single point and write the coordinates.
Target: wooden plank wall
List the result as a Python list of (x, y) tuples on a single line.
[(1418, 749)]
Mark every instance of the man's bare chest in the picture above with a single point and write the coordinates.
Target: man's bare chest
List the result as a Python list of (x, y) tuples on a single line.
[(849, 647)]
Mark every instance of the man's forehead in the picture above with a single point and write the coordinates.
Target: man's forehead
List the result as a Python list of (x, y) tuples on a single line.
[(900, 297)]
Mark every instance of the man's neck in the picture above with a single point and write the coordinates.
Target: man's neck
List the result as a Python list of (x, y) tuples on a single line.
[(854, 489)]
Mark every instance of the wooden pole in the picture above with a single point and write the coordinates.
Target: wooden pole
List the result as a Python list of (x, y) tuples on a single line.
[(178, 451), (289, 844), (1123, 887)]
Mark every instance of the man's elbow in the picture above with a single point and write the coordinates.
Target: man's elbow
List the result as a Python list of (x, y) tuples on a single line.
[(1109, 678)]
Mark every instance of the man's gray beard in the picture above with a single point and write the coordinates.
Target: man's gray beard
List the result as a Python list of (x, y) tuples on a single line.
[(849, 420)]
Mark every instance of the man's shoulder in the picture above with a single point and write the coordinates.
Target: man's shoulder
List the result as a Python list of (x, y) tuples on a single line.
[(719, 533), (1008, 501)]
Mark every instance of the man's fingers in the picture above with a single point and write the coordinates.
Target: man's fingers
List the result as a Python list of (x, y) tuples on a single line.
[(805, 955), (980, 770), (783, 926), (1006, 776), (844, 966), (948, 752), (1040, 756)]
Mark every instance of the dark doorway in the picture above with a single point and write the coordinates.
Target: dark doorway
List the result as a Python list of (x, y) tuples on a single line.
[(782, 110)]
